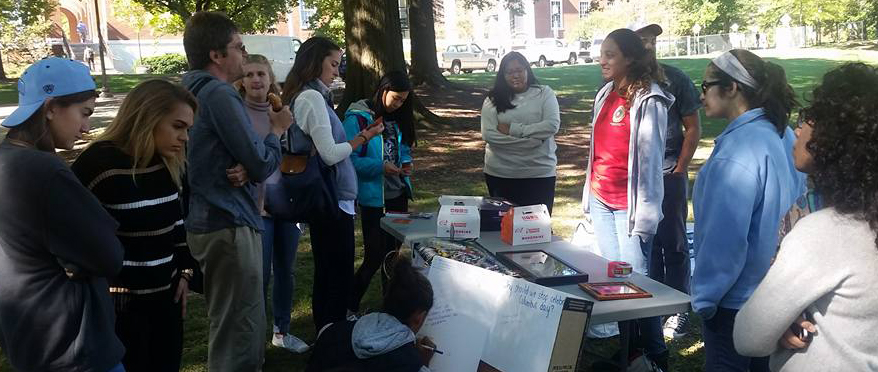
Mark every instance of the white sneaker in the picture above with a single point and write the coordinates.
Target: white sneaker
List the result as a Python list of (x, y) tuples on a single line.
[(676, 326), (289, 342)]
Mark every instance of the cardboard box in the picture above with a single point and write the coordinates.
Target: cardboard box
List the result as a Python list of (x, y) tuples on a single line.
[(527, 225), (458, 222)]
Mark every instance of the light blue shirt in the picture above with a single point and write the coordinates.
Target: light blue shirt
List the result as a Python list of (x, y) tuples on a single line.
[(743, 191)]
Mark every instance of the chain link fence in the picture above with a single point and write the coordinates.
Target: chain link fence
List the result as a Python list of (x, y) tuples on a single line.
[(785, 37)]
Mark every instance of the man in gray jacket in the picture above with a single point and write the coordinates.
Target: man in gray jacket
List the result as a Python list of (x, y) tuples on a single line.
[(223, 225)]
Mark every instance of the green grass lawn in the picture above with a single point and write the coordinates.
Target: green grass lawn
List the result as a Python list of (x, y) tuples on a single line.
[(448, 160), (117, 84)]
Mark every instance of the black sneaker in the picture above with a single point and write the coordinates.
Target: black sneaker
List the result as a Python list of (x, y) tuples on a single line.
[(676, 326)]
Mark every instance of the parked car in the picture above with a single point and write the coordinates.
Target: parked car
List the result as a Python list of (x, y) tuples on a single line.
[(584, 54), (279, 50), (547, 52), (466, 58)]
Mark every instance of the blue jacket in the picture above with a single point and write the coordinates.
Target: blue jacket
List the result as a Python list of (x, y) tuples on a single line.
[(220, 138), (370, 165), (744, 189)]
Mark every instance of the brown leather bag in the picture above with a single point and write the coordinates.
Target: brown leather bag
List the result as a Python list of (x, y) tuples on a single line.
[(293, 163)]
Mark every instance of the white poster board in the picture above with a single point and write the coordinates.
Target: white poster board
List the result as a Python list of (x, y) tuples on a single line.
[(479, 315)]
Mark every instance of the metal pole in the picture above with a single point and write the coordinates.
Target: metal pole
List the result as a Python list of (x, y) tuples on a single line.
[(105, 89)]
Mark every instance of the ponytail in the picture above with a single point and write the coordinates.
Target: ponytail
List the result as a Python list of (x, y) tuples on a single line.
[(408, 291), (774, 95)]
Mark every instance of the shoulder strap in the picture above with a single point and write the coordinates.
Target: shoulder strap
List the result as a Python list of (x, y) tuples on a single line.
[(295, 140)]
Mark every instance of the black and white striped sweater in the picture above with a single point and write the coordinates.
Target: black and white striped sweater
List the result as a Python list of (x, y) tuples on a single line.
[(146, 203)]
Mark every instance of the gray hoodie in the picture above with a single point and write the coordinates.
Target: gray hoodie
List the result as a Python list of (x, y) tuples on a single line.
[(649, 125), (378, 333)]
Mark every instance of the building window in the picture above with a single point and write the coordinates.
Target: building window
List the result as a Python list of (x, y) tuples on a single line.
[(584, 8), (555, 9), (305, 14)]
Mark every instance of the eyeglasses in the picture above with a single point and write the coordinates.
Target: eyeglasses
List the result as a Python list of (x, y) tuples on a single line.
[(705, 85)]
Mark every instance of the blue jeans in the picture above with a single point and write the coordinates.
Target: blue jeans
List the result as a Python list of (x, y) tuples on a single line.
[(611, 232), (719, 346), (117, 368), (280, 241)]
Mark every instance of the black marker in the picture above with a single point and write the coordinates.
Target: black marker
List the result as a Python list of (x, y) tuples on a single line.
[(433, 349)]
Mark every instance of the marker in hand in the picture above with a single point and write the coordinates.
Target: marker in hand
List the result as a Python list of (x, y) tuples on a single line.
[(433, 349)]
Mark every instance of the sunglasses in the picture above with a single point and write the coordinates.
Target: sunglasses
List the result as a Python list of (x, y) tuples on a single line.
[(802, 120), (705, 85)]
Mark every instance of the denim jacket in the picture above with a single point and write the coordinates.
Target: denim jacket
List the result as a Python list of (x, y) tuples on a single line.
[(221, 138)]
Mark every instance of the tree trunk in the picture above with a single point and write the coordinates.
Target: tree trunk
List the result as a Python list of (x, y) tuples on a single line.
[(374, 46), (425, 66), (2, 70)]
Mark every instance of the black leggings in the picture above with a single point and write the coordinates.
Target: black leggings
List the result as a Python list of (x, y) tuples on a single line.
[(376, 244), (332, 244), (523, 191)]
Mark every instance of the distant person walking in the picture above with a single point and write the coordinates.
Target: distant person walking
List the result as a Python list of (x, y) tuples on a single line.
[(90, 57)]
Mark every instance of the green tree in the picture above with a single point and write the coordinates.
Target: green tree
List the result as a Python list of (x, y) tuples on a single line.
[(134, 15), (22, 23), (328, 20), (249, 15)]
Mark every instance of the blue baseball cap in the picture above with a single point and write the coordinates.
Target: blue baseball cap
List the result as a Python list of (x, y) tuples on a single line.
[(50, 77)]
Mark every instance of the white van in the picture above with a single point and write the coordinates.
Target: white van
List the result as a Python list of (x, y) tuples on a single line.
[(280, 51)]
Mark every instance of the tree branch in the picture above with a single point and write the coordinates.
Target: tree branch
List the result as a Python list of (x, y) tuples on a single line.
[(240, 10)]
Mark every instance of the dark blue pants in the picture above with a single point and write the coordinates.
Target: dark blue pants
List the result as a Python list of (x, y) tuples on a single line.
[(719, 346), (669, 261), (332, 244), (280, 241)]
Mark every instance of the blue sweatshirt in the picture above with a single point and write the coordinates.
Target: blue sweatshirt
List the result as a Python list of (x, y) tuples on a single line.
[(221, 138), (744, 189)]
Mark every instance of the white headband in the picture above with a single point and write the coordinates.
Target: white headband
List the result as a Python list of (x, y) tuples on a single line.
[(728, 63)]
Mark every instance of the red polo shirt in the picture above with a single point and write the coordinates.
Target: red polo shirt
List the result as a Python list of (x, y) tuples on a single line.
[(609, 171)]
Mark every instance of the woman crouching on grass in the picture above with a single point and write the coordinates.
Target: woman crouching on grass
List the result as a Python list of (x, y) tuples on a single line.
[(134, 168)]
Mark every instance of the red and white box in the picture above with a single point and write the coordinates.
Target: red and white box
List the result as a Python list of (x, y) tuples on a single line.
[(527, 225), (458, 222)]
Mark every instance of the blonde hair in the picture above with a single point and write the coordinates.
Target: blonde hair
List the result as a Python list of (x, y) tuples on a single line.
[(145, 107), (258, 59)]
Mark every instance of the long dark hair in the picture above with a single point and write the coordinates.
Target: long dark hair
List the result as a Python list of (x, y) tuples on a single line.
[(774, 95), (501, 95), (35, 130), (844, 113), (643, 70), (408, 291), (307, 66), (396, 81)]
